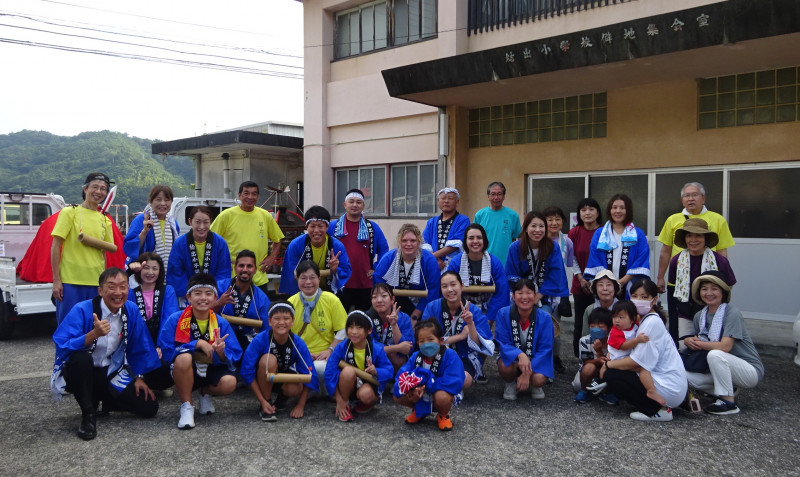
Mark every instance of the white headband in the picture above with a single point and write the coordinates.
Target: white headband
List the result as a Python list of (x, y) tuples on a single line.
[(201, 285), (447, 190), (359, 312), (354, 194), (317, 220), (275, 307)]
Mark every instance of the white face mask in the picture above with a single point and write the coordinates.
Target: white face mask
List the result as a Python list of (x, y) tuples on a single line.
[(643, 307)]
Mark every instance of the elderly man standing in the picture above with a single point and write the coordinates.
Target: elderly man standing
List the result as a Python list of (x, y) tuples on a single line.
[(501, 223), (693, 197), (443, 234), (248, 227)]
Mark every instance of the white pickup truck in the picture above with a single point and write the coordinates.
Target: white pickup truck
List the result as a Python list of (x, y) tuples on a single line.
[(21, 214)]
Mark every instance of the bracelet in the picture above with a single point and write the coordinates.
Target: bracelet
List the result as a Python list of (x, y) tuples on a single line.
[(330, 348)]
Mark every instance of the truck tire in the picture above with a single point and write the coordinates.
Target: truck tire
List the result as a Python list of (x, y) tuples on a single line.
[(6, 325)]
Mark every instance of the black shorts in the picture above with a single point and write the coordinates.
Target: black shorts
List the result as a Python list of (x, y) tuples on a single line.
[(214, 374)]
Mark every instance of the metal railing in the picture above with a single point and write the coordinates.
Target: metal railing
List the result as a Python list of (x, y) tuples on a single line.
[(486, 15)]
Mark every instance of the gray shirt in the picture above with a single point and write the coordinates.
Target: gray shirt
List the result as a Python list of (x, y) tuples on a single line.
[(733, 327)]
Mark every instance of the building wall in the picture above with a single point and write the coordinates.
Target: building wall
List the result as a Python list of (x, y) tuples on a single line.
[(351, 121), (649, 126)]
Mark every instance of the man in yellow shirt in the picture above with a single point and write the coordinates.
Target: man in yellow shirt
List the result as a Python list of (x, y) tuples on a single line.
[(693, 197), (247, 227)]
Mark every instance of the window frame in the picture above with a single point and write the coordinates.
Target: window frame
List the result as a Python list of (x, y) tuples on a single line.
[(390, 27), (652, 229), (338, 202)]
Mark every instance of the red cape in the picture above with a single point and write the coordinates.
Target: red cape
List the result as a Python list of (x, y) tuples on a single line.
[(36, 267)]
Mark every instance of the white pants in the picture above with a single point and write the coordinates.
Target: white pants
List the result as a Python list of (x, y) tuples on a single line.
[(726, 371)]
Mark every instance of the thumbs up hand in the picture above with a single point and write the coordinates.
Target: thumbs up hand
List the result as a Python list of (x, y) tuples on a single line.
[(101, 328)]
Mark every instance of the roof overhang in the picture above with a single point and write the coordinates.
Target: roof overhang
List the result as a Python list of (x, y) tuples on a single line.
[(230, 141), (740, 36)]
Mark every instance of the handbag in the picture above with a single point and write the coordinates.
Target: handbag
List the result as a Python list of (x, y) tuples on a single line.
[(565, 307), (695, 360)]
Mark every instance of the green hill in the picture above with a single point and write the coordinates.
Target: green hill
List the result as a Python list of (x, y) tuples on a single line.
[(37, 161)]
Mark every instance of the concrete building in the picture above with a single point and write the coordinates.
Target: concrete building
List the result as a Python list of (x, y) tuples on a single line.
[(269, 153), (565, 99)]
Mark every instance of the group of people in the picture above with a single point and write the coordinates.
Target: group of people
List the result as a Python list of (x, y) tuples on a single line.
[(192, 311)]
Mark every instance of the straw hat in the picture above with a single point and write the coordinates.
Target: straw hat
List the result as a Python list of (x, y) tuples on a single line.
[(695, 226), (713, 276), (605, 274)]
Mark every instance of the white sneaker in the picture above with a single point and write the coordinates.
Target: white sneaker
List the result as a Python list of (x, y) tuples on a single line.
[(206, 405), (510, 392), (537, 393), (187, 416), (660, 416)]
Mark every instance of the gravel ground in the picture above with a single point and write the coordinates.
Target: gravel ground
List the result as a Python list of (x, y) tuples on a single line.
[(491, 436)]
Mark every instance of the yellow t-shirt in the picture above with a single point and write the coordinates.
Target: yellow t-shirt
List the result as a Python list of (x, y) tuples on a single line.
[(327, 318), (162, 224), (318, 257), (81, 264), (201, 252), (716, 223), (252, 230), (360, 357), (202, 326)]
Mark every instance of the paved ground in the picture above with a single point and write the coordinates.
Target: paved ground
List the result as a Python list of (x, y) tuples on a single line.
[(491, 437)]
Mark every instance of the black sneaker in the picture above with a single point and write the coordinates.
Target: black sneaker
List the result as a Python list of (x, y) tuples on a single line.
[(722, 408), (596, 387), (481, 379), (267, 417)]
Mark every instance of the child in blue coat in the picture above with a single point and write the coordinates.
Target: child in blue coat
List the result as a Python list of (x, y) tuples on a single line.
[(359, 351), (201, 348), (278, 351), (432, 379)]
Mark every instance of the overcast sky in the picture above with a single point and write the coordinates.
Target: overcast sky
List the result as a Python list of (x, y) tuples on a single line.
[(66, 92)]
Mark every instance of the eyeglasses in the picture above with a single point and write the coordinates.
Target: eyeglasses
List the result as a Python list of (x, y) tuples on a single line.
[(692, 195), (496, 194)]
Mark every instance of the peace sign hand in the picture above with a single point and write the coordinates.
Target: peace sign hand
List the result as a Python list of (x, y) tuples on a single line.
[(467, 314), (148, 221), (392, 318), (333, 263), (371, 367)]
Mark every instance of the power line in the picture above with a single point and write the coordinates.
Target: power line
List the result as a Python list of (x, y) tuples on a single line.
[(155, 18), (152, 47), (55, 22), (174, 61)]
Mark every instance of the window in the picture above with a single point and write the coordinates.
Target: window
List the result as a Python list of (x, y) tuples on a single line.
[(766, 203), (366, 28), (562, 192), (760, 203), (602, 187), (414, 189), (668, 192), (414, 20), (371, 181), (764, 97), (558, 119), (19, 214)]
